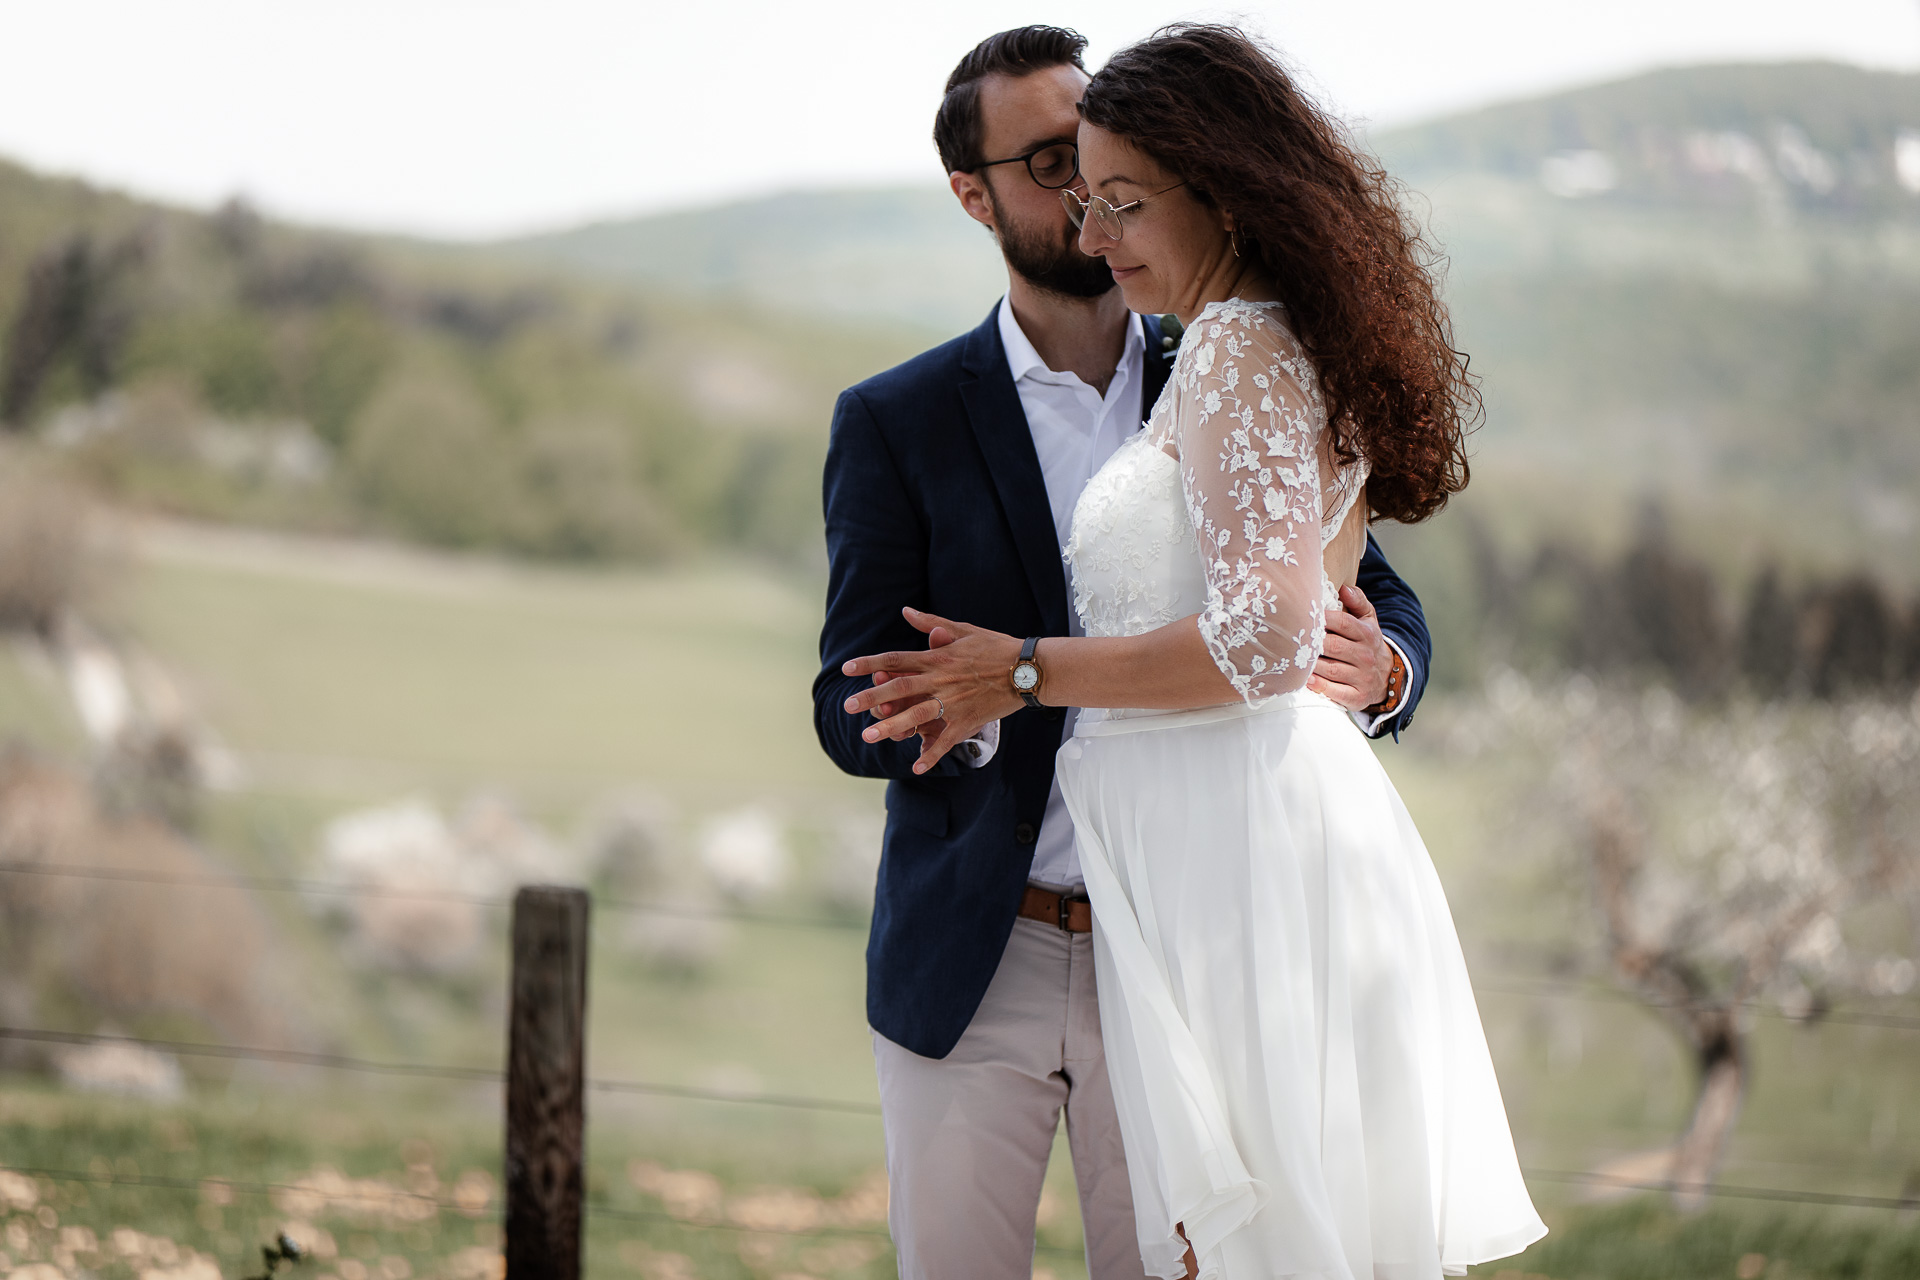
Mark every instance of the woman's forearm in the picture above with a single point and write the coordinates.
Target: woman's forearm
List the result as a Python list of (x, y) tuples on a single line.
[(947, 691), (1166, 669)]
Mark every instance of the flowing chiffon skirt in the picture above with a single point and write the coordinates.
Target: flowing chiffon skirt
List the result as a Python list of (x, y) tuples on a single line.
[(1298, 1063)]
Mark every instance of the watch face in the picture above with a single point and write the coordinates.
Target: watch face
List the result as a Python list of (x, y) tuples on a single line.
[(1026, 677)]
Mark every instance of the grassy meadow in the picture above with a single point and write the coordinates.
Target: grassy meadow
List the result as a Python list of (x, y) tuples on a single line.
[(347, 674)]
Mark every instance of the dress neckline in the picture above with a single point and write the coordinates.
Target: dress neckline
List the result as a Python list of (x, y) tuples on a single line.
[(1224, 303)]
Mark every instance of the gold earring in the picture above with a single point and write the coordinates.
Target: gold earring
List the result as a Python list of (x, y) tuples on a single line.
[(1233, 238)]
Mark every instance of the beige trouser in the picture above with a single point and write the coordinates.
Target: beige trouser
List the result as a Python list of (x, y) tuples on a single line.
[(968, 1135)]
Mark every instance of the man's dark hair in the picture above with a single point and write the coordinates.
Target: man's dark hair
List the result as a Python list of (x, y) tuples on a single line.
[(1019, 52)]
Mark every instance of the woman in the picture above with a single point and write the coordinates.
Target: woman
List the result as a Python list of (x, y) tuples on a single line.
[(1298, 1064)]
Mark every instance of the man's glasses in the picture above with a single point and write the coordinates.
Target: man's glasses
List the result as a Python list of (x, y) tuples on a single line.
[(1105, 215), (1053, 166)]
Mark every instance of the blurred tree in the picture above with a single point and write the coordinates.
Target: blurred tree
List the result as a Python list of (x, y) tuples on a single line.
[(580, 478), (46, 559), (1672, 613), (1851, 637), (332, 366), (1769, 636), (1735, 860), (429, 459), (74, 309)]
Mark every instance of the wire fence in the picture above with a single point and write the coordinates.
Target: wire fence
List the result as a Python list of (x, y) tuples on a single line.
[(1539, 987), (1510, 984)]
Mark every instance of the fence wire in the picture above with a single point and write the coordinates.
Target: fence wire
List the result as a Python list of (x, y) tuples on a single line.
[(1549, 988), (1545, 988)]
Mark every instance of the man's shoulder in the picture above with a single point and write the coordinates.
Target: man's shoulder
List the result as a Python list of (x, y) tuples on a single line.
[(933, 373)]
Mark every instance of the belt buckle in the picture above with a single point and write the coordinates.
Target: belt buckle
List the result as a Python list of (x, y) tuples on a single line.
[(1066, 911)]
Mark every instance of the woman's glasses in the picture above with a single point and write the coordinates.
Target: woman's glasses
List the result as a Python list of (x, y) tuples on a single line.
[(1053, 166), (1105, 215)]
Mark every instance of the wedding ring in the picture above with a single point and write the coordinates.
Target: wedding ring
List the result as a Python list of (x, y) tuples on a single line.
[(939, 704)]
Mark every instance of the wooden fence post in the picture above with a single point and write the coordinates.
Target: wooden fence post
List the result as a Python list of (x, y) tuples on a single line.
[(546, 1097)]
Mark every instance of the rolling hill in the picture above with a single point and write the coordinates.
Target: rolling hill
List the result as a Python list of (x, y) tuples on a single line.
[(1700, 282)]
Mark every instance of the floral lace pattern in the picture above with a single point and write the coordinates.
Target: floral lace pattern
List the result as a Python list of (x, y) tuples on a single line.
[(1132, 548), (1243, 415)]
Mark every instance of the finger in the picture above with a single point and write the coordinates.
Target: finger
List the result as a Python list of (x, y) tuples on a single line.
[(894, 663), (906, 723), (1342, 649), (1343, 694), (940, 637), (921, 621), (931, 752), (1339, 672), (1345, 624), (1356, 602), (902, 689)]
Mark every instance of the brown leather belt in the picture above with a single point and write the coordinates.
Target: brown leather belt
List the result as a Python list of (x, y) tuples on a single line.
[(1067, 912)]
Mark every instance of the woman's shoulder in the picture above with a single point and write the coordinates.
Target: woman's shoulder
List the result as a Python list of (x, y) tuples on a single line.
[(1263, 321), (1241, 331)]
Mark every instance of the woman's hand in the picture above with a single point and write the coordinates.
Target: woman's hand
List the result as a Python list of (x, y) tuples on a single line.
[(966, 679)]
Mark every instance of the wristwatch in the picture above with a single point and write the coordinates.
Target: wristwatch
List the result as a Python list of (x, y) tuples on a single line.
[(1026, 673)]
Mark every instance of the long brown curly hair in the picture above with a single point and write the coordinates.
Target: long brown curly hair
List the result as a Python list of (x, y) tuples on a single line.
[(1215, 108)]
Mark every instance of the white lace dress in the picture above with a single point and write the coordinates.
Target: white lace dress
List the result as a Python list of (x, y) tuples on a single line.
[(1301, 1076)]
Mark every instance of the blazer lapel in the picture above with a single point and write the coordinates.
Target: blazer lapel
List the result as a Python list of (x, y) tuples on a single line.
[(1000, 426), (1158, 364)]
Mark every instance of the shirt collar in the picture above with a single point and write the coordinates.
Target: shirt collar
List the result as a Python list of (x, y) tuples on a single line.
[(1023, 361)]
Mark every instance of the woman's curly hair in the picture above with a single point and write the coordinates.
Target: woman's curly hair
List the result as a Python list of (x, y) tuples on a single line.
[(1212, 106)]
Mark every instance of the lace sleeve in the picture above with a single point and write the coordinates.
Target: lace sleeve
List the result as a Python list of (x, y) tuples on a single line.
[(1246, 427)]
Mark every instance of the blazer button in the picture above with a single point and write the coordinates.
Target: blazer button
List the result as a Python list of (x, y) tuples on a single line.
[(1024, 833)]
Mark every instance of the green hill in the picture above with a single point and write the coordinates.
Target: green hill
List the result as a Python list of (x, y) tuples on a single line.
[(903, 253), (1701, 283), (223, 365)]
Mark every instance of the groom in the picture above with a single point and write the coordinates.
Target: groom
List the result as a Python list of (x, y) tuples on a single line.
[(950, 486)]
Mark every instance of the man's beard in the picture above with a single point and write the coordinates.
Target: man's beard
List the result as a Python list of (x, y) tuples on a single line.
[(1057, 266)]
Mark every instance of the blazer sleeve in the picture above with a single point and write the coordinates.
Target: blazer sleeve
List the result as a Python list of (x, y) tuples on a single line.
[(876, 562), (1402, 619)]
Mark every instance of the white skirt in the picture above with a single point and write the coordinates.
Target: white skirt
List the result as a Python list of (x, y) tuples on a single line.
[(1296, 1056)]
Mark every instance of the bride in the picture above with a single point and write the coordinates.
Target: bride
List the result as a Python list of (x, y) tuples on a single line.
[(1298, 1064)]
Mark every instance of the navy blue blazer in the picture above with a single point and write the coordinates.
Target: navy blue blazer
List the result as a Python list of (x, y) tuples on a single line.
[(935, 499)]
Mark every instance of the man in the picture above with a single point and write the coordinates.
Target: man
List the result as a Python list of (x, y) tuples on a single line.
[(950, 486)]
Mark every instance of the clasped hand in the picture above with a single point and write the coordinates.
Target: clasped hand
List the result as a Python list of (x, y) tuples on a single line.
[(944, 694)]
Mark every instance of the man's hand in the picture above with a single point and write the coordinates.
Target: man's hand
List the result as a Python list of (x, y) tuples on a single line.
[(1353, 667), (932, 729), (964, 676)]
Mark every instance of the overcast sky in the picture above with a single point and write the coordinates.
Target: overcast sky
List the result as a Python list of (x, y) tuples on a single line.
[(484, 117)]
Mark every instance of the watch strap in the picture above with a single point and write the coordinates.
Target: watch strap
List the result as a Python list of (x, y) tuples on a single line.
[(1027, 651)]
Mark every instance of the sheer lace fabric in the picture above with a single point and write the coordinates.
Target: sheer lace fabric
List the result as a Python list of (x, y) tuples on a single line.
[(1246, 423), (1298, 1067)]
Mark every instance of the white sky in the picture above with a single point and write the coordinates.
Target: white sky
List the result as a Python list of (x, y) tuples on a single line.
[(483, 117)]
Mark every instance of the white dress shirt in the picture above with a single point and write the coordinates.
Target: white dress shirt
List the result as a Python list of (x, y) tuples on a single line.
[(1075, 430)]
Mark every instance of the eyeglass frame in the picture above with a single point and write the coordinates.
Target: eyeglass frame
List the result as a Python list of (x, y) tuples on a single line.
[(1085, 209), (1027, 160)]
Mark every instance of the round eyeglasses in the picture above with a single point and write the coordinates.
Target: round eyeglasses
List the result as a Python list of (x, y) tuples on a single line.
[(1053, 166), (1106, 215)]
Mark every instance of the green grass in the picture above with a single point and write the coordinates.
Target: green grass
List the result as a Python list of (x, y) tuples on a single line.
[(402, 669), (343, 677)]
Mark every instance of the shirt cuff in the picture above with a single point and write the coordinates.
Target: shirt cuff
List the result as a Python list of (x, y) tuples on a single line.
[(1375, 724), (979, 749)]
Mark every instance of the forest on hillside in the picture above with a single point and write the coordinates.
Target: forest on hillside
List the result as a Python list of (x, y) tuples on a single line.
[(228, 367)]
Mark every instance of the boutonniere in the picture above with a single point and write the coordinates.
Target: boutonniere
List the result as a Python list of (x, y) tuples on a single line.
[(1170, 331)]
